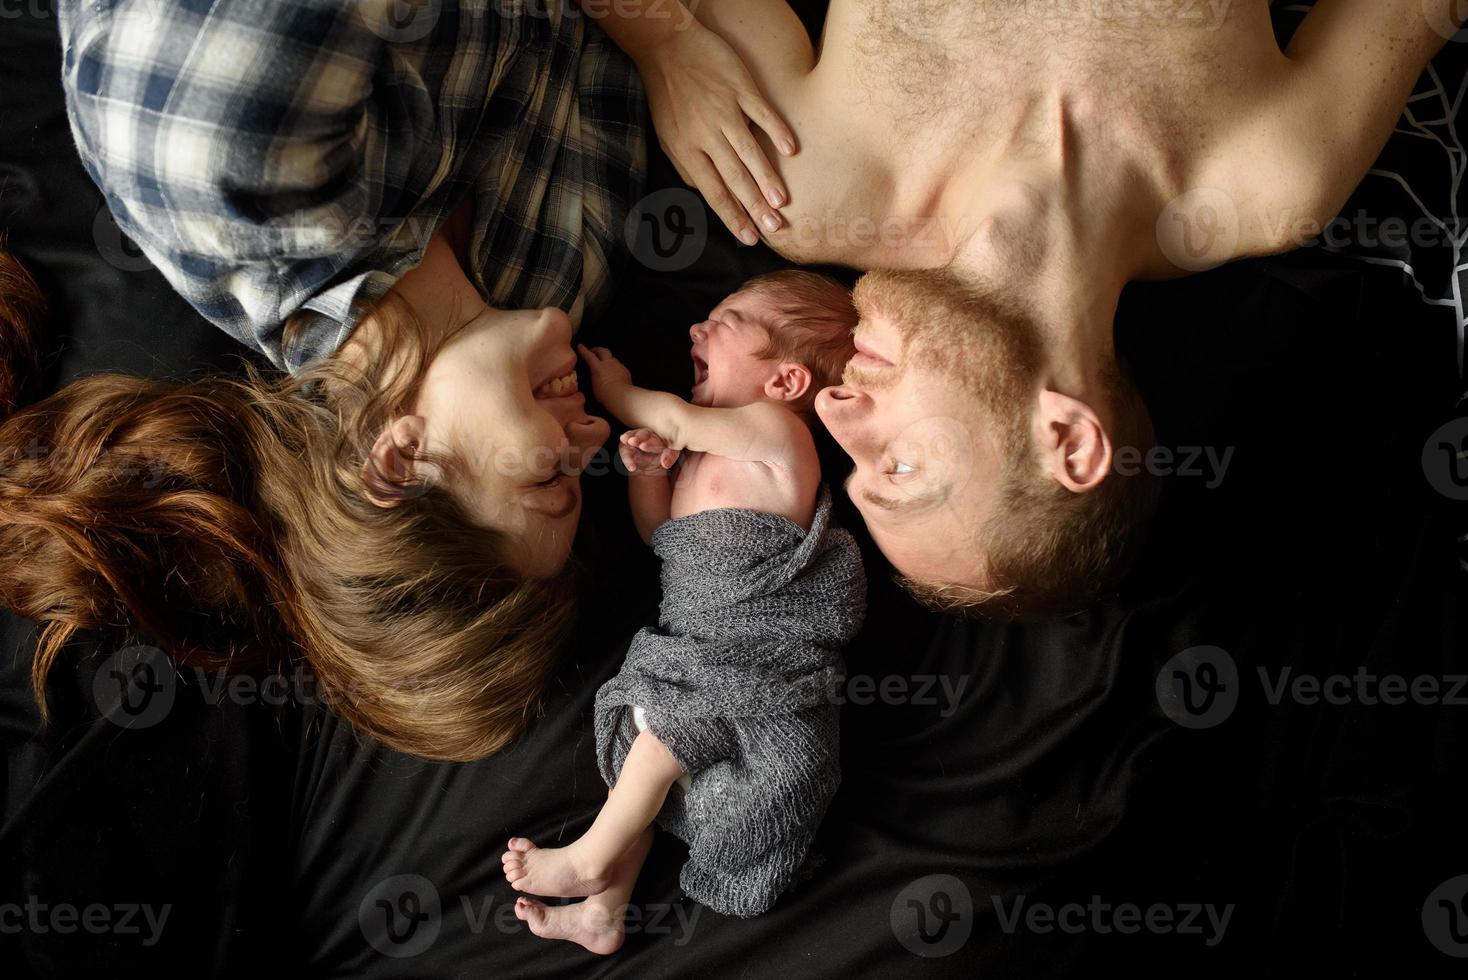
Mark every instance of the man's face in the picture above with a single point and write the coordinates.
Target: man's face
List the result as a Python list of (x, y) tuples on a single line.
[(914, 414)]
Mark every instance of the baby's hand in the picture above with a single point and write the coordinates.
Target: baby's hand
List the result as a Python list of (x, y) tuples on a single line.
[(608, 375), (644, 451)]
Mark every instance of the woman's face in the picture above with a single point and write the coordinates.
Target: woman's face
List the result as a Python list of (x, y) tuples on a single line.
[(501, 398)]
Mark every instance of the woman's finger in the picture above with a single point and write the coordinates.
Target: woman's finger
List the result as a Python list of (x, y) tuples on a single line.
[(737, 178), (706, 178), (752, 155), (765, 117), (678, 167)]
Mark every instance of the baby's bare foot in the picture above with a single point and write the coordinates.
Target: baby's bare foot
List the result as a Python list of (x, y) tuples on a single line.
[(561, 872), (588, 924)]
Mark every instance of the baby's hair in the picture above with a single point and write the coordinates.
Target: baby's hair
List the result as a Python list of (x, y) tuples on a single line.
[(811, 324)]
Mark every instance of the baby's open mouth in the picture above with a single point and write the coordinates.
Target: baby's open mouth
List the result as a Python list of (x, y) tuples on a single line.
[(700, 370)]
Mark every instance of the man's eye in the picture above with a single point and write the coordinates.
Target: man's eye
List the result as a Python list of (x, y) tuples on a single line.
[(899, 469)]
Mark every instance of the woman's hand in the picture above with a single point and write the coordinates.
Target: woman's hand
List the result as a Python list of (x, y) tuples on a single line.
[(643, 451), (703, 99)]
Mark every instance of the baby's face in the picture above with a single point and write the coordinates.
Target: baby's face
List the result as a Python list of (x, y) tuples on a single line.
[(727, 369)]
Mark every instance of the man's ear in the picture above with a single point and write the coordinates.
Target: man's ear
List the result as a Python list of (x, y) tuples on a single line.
[(1074, 447), (789, 383), (392, 472)]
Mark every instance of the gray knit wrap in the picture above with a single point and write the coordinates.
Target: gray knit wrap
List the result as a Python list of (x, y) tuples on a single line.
[(738, 682)]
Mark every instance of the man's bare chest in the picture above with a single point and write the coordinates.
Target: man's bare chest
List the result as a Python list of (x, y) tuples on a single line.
[(926, 62)]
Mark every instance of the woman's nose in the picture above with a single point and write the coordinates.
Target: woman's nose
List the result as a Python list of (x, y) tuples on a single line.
[(554, 324), (585, 436)]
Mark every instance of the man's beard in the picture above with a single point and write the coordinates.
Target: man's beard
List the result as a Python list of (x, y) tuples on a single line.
[(988, 347)]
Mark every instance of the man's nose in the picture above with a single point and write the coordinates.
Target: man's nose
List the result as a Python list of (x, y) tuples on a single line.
[(845, 399), (845, 412)]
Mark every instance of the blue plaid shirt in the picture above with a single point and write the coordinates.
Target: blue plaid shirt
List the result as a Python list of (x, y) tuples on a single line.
[(275, 157)]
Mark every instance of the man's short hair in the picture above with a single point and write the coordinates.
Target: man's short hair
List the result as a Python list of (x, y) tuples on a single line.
[(1047, 551)]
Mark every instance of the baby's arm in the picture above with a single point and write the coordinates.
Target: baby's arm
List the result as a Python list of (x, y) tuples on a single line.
[(650, 487), (751, 433)]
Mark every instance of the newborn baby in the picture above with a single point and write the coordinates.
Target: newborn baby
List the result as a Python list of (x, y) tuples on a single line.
[(730, 697)]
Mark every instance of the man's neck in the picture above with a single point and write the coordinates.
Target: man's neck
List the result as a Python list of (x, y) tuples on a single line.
[(1057, 217)]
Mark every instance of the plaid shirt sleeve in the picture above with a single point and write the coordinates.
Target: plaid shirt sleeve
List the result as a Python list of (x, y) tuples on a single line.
[(276, 157)]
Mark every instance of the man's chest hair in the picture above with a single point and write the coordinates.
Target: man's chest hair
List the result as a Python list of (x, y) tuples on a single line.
[(941, 62)]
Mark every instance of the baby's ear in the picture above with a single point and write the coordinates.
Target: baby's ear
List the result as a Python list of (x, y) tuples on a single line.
[(790, 382)]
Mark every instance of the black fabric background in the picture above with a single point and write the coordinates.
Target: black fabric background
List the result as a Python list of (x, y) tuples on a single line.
[(1055, 777)]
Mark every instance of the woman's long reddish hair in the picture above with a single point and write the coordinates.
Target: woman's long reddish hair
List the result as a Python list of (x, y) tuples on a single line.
[(227, 519)]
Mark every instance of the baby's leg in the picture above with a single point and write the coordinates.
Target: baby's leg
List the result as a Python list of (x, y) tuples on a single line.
[(599, 922), (584, 867)]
